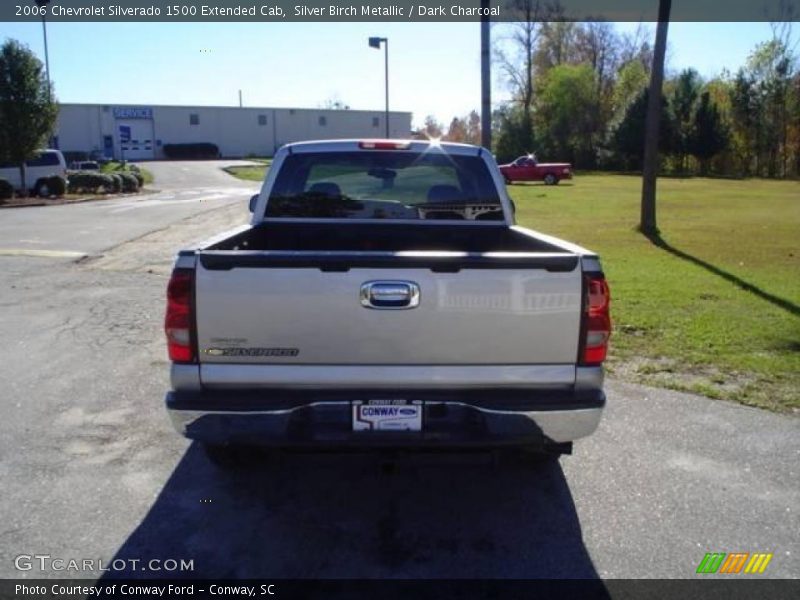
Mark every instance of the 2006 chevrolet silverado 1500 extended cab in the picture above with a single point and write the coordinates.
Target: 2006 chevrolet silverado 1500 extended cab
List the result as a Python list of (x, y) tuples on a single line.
[(382, 296)]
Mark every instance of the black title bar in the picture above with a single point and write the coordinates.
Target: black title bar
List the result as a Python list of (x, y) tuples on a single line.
[(277, 11), (735, 588)]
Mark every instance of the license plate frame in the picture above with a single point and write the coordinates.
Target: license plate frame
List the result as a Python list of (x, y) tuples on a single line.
[(387, 415)]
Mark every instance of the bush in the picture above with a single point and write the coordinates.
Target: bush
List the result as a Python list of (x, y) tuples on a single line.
[(116, 181), (195, 150), (129, 182), (90, 182), (57, 185), (6, 190), (139, 177)]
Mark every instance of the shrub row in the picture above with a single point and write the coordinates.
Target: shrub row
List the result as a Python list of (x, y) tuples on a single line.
[(57, 186), (195, 150), (130, 183), (6, 190), (92, 182)]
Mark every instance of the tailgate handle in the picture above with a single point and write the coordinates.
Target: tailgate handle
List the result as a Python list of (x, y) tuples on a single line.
[(390, 295)]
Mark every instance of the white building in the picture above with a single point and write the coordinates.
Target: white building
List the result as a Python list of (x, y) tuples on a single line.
[(140, 132)]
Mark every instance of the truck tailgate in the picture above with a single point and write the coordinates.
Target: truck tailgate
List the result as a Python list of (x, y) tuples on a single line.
[(277, 313)]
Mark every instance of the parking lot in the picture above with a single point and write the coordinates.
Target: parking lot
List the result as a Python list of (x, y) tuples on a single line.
[(91, 467)]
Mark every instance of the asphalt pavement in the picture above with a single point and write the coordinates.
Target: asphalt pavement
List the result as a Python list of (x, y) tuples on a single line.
[(181, 190), (91, 468)]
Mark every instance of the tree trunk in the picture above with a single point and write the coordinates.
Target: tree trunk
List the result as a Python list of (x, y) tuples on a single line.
[(647, 222), (23, 184)]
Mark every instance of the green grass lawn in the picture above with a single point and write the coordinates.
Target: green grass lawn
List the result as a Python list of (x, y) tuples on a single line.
[(254, 173), (715, 308)]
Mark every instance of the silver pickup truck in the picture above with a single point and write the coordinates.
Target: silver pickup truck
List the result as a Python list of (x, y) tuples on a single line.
[(382, 296)]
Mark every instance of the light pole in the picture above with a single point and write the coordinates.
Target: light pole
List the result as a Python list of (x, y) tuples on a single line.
[(43, 4), (375, 42)]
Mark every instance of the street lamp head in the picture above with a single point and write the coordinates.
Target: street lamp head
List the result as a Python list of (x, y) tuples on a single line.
[(375, 42), (41, 3)]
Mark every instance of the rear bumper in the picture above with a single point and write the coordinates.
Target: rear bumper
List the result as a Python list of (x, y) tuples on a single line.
[(482, 418)]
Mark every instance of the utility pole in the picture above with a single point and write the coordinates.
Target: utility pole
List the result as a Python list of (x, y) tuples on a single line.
[(486, 79), (43, 5)]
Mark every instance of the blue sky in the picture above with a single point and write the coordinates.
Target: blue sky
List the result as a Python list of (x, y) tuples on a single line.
[(434, 67)]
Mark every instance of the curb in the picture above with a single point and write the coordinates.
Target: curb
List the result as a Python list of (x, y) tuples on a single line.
[(144, 192)]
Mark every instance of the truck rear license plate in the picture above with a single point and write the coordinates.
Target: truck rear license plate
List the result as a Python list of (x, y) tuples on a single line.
[(387, 415)]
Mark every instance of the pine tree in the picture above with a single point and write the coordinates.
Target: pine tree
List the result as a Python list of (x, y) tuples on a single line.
[(709, 135)]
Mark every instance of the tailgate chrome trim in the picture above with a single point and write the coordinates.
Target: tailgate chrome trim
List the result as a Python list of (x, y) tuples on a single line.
[(234, 376)]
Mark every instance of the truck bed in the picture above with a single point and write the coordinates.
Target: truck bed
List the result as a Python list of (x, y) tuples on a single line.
[(340, 247), (365, 237)]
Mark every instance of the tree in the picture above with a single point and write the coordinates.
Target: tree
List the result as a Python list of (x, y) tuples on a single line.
[(709, 135), (597, 44), (684, 98), (647, 220), (631, 80), (566, 114), (635, 46), (556, 45), (514, 133), (457, 132), (431, 129), (516, 62), (335, 103), (761, 99), (627, 140), (474, 128), (795, 120), (27, 110), (746, 114), (770, 66)]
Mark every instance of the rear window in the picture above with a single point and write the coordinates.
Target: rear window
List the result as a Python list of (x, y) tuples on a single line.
[(384, 185)]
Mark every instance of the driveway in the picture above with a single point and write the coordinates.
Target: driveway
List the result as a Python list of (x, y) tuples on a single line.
[(193, 174), (186, 188)]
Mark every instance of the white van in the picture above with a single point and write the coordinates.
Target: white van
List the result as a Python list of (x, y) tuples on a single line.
[(37, 170)]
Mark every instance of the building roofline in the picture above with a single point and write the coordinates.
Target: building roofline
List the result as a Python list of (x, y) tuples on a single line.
[(187, 106)]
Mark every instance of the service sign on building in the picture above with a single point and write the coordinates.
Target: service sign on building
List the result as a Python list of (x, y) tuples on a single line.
[(121, 112)]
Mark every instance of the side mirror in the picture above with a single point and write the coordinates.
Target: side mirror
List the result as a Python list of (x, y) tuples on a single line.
[(253, 202), (513, 207)]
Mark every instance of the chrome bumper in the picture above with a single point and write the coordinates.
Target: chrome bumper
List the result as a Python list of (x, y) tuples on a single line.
[(559, 419)]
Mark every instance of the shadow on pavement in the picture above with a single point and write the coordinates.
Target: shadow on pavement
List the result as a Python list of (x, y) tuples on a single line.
[(363, 515)]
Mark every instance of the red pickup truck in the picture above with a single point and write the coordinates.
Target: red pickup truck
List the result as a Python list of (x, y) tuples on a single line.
[(527, 168)]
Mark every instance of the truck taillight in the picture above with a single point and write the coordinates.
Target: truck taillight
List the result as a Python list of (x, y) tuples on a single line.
[(597, 320), (179, 319)]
